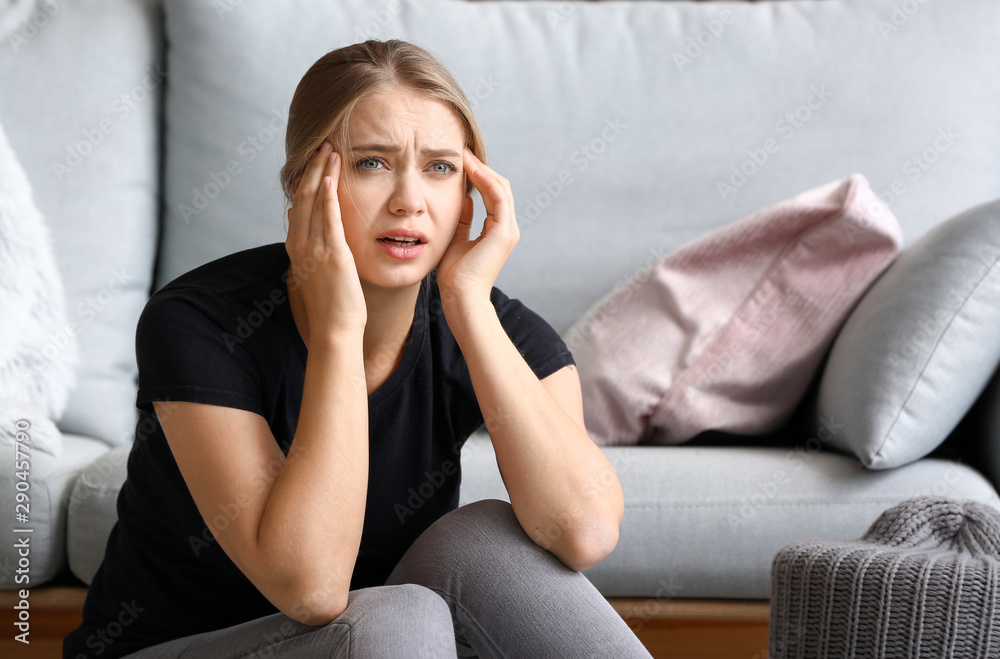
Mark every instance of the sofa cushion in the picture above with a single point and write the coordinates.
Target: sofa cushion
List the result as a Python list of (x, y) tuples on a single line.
[(707, 521), (726, 333), (50, 481), (921, 346), (625, 128), (80, 105), (93, 511), (736, 506)]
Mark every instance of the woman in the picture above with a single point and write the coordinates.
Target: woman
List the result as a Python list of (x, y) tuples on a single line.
[(293, 486)]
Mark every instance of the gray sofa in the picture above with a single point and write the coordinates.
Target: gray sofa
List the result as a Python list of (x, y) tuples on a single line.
[(152, 133)]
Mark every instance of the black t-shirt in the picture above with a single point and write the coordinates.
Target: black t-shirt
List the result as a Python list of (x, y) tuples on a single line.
[(224, 334)]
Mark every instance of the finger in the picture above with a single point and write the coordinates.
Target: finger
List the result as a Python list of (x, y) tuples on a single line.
[(464, 228), (332, 223), (496, 197), (308, 185), (479, 164)]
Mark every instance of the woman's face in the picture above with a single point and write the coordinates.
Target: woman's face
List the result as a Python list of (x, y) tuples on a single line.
[(402, 173)]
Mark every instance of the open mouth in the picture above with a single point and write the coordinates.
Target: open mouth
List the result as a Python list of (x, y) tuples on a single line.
[(400, 242), (401, 247)]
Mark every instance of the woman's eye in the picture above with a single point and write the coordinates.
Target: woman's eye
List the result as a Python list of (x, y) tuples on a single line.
[(442, 167), (368, 163)]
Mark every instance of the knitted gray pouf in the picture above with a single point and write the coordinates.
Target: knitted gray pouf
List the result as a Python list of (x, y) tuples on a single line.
[(924, 581)]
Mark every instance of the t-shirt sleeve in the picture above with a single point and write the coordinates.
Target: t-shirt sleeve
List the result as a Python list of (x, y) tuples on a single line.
[(185, 351), (538, 342)]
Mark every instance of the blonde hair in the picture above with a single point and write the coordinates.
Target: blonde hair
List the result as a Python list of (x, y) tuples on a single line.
[(333, 86)]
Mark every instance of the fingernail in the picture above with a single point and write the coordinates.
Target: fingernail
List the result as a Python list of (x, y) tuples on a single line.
[(325, 148), (333, 158)]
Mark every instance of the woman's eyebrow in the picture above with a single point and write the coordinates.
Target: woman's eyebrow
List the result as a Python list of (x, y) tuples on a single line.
[(388, 148)]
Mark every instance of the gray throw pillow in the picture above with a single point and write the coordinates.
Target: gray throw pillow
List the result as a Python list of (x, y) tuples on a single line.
[(920, 347)]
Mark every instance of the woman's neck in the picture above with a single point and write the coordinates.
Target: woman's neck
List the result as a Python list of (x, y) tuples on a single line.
[(390, 321)]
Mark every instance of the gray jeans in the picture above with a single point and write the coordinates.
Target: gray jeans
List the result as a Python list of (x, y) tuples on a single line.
[(473, 584)]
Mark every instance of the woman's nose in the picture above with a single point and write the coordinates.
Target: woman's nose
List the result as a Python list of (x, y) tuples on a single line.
[(407, 196)]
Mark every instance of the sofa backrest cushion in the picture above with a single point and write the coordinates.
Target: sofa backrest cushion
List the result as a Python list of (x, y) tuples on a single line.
[(625, 128), (80, 85), (726, 332), (921, 346)]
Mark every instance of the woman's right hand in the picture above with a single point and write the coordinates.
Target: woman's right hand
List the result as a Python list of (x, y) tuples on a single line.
[(322, 264)]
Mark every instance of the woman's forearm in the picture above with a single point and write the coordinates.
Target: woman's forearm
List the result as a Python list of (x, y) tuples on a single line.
[(315, 513), (563, 489)]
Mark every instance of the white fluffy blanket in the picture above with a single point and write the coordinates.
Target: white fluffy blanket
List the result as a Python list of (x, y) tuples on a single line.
[(37, 346)]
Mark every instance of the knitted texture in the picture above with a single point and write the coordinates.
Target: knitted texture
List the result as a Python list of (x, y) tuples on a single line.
[(923, 581)]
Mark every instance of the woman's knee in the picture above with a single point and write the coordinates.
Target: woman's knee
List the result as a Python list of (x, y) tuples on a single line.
[(488, 514), (483, 534), (400, 602), (406, 618), (487, 525)]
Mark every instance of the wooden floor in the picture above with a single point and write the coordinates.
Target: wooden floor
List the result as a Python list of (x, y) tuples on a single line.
[(674, 629)]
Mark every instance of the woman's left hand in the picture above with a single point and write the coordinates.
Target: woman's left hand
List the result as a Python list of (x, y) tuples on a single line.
[(469, 268)]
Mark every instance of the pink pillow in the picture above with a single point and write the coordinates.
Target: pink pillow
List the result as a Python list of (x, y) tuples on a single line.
[(726, 332)]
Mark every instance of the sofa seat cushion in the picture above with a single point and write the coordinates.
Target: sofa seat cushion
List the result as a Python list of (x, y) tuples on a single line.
[(699, 521), (706, 522), (50, 482), (93, 511)]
